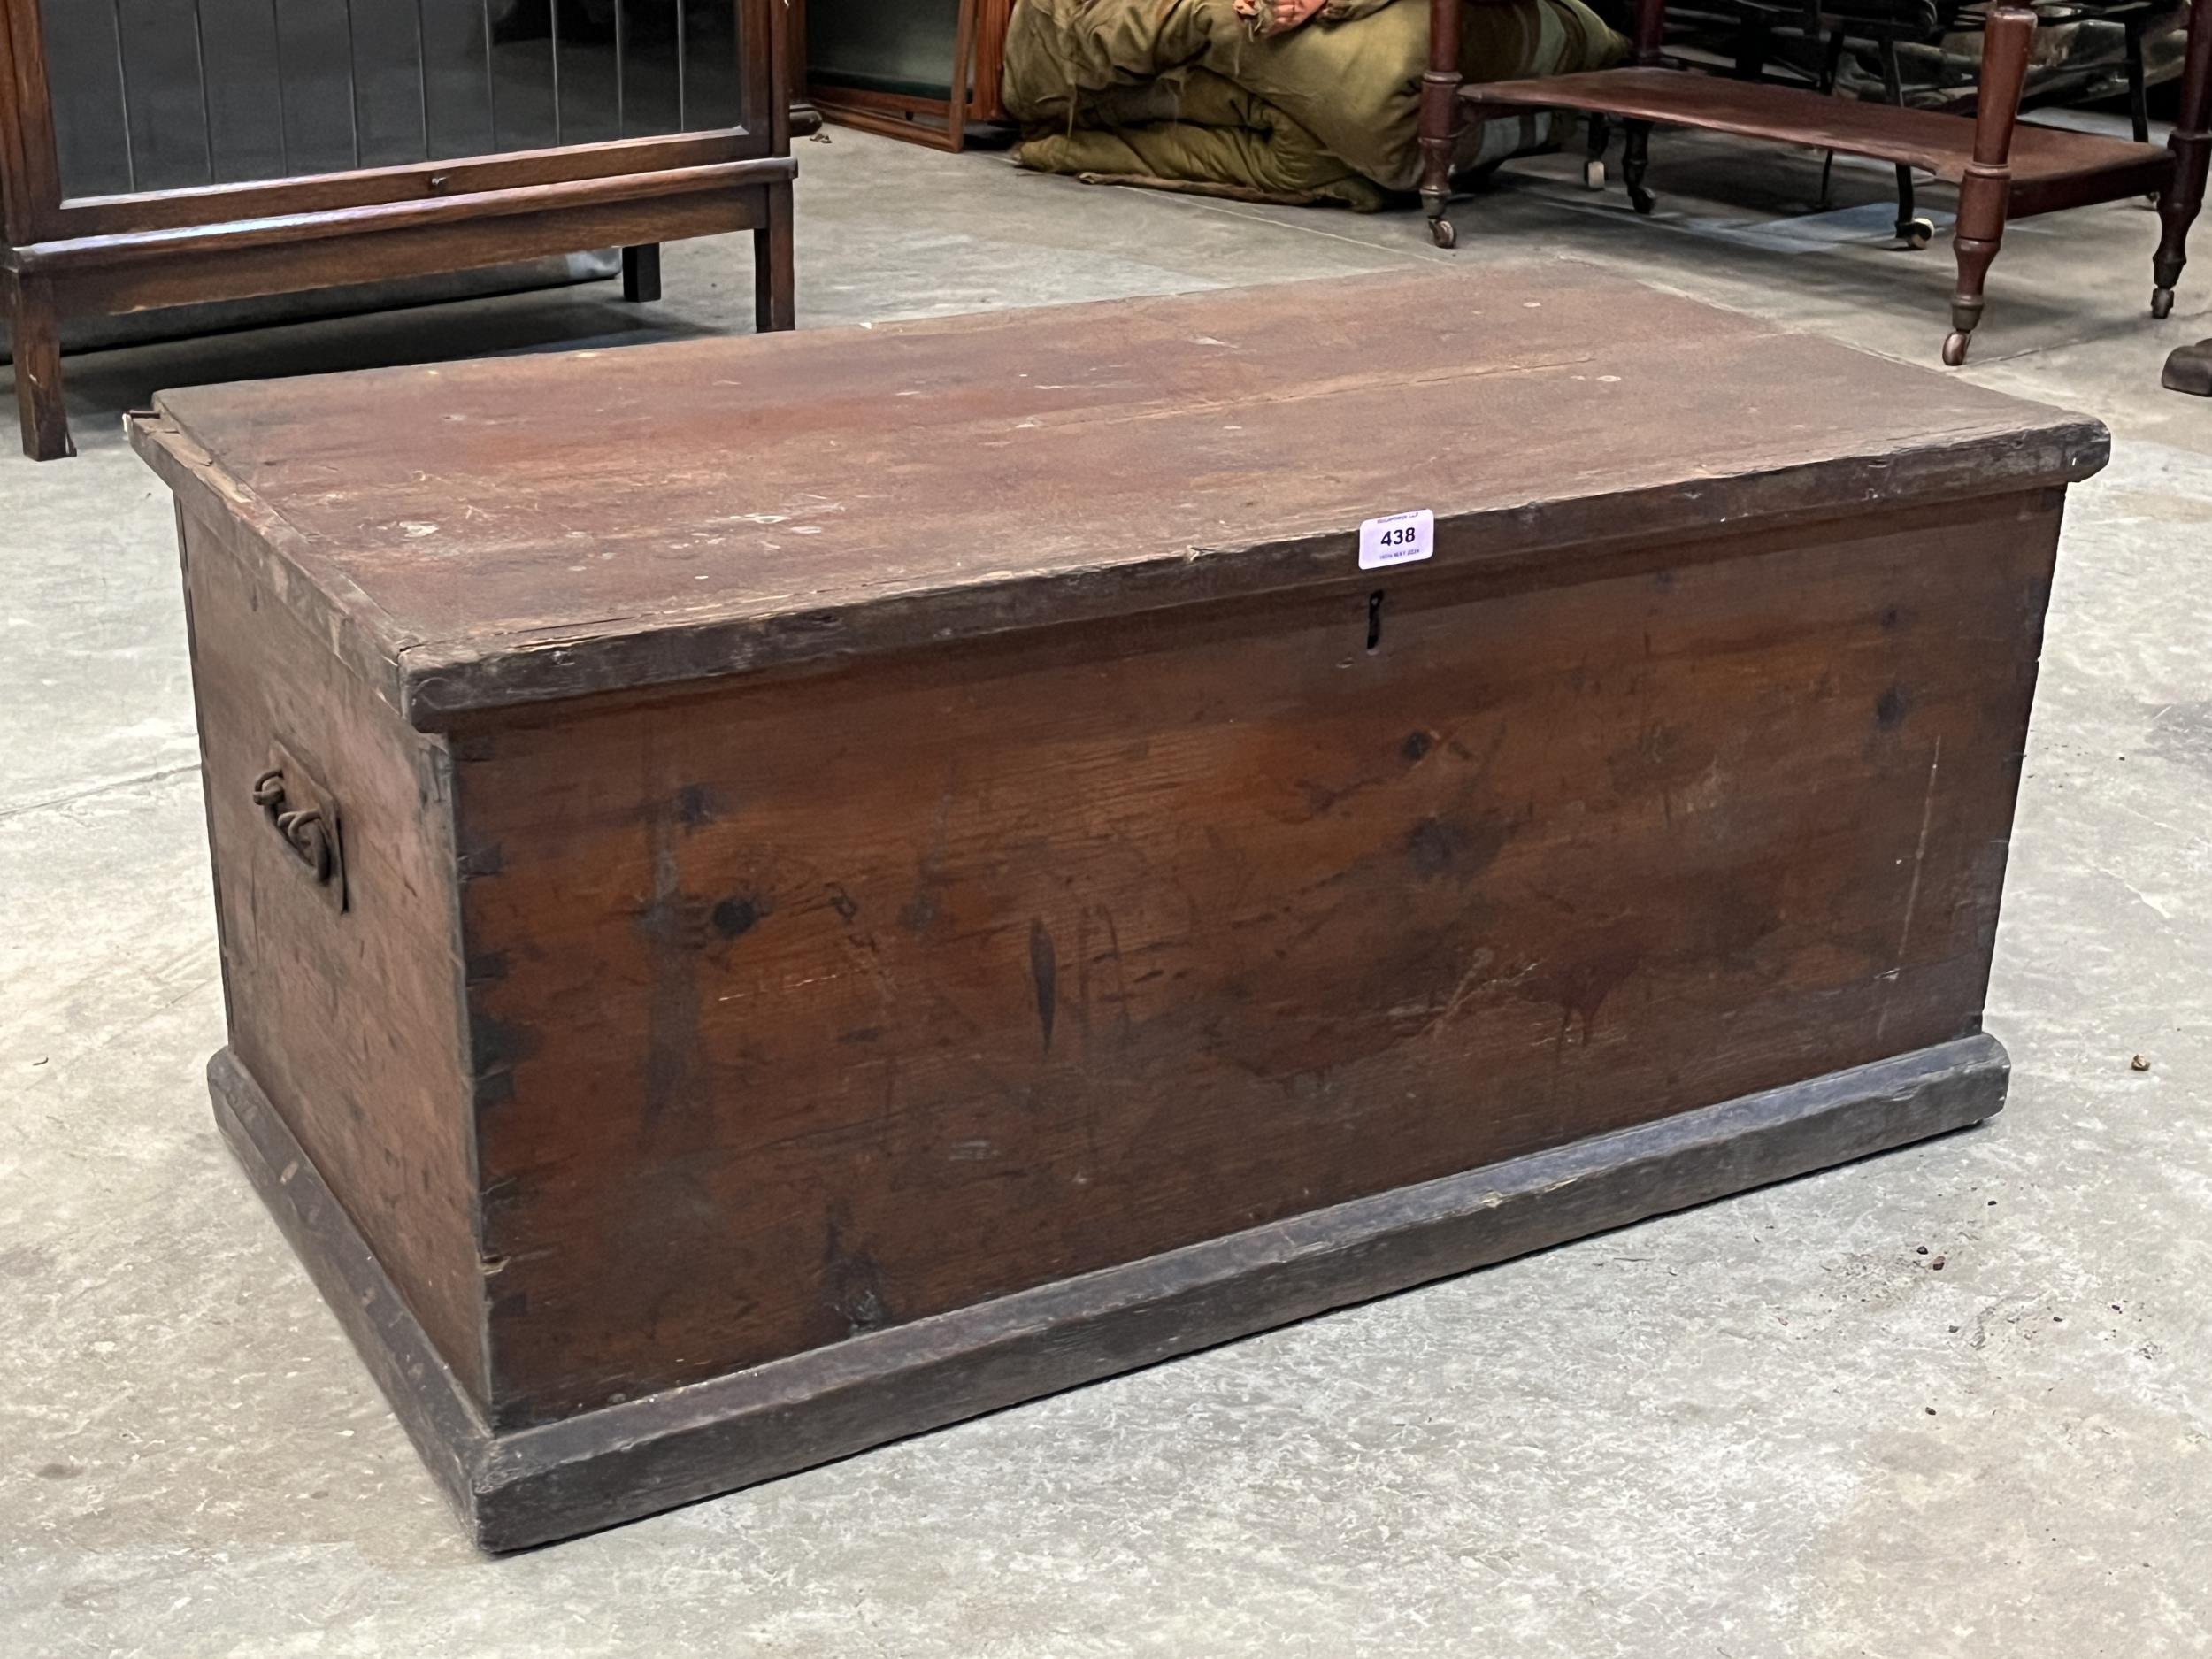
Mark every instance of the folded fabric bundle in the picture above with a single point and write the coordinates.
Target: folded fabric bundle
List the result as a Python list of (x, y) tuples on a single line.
[(1182, 94)]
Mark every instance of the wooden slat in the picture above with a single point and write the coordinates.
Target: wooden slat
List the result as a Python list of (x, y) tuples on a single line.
[(2083, 166), (91, 253), (517, 1490)]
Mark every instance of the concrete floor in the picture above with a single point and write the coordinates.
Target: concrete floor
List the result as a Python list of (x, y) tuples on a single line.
[(1767, 1427)]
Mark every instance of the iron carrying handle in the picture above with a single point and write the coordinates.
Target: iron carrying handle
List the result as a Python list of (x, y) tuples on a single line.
[(304, 829)]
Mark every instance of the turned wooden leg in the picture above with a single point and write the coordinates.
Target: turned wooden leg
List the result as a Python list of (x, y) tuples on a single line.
[(2192, 145), (775, 283), (1440, 118), (1986, 193), (34, 326), (641, 273), (1635, 162)]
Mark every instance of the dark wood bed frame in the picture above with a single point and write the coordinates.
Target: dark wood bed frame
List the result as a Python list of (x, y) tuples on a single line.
[(2004, 169), (113, 254)]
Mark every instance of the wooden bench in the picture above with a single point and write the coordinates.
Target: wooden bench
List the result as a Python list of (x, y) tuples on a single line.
[(2004, 168)]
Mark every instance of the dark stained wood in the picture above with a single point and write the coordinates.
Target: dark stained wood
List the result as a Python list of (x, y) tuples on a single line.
[(845, 530), (517, 1489), (2190, 141), (1987, 187), (641, 273), (350, 1021), (1036, 905), (415, 1375), (30, 171), (182, 271), (112, 253), (978, 60), (2004, 169), (775, 286), (478, 210), (197, 206)]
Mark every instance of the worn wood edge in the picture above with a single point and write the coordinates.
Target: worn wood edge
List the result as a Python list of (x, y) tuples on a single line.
[(77, 254), (2189, 369), (441, 680), (431, 1403), (534, 1486), (321, 594)]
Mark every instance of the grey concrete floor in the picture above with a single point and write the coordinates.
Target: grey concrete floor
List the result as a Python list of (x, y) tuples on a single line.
[(1767, 1427)]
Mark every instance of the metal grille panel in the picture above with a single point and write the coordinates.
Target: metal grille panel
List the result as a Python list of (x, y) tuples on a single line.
[(159, 95)]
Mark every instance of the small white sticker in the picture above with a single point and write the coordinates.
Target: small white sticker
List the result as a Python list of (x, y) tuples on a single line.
[(1401, 539)]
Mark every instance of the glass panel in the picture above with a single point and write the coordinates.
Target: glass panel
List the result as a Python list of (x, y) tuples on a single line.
[(900, 46), (157, 94)]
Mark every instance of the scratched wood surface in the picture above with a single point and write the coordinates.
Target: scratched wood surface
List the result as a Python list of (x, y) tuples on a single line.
[(814, 1004), (527, 528), (350, 1022)]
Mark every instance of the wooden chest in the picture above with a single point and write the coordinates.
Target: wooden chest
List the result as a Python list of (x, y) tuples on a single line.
[(777, 893)]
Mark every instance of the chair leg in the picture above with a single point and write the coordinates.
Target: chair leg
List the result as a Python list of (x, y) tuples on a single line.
[(2138, 90), (775, 283), (1912, 230), (1986, 193), (35, 327), (1753, 38), (641, 273), (1440, 118), (1635, 161), (2192, 145)]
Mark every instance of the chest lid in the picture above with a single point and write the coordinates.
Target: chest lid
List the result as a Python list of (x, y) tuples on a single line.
[(471, 536)]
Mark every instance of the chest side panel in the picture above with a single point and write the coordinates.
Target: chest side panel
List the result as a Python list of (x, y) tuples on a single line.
[(350, 1020), (835, 1001)]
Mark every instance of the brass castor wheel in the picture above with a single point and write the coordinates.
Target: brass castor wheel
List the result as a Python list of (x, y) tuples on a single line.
[(2161, 303), (1593, 173), (1641, 199), (1953, 350), (1441, 230), (1917, 233)]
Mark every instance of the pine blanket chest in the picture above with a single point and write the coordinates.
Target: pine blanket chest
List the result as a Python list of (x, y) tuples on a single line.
[(777, 893)]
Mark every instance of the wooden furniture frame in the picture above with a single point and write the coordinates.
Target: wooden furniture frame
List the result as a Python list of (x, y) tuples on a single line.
[(112, 254), (978, 59), (2004, 169), (893, 936)]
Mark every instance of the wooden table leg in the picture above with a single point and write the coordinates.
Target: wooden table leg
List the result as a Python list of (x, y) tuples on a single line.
[(775, 283), (641, 273), (1440, 117), (2192, 145), (35, 329), (2190, 370), (1986, 193), (963, 72)]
